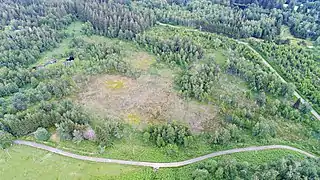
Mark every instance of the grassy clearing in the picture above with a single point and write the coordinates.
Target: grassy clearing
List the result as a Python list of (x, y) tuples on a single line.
[(73, 31), (286, 34)]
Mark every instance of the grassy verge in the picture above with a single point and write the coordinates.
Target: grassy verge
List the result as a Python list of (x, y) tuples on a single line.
[(29, 163)]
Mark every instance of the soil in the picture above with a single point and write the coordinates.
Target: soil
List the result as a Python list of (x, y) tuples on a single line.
[(149, 99)]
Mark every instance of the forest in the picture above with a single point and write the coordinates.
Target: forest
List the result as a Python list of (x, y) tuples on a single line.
[(213, 51)]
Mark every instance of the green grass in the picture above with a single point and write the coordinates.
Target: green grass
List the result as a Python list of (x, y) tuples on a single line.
[(29, 163), (23, 162)]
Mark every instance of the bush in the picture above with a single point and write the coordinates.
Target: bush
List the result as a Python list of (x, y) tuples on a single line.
[(42, 134), (146, 137), (6, 139), (162, 135), (225, 135), (77, 136), (109, 131), (265, 129), (200, 174), (89, 134), (172, 150)]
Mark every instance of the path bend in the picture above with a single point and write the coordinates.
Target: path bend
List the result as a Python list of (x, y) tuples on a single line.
[(154, 164)]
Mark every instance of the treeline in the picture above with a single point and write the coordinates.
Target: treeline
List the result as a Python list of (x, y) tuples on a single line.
[(46, 114), (175, 51), (285, 168), (209, 16), (114, 19), (297, 65), (241, 18)]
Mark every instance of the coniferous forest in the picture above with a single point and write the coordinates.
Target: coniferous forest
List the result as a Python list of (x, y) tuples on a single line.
[(160, 81)]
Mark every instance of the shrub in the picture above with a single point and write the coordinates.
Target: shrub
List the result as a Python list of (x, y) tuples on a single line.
[(89, 134), (77, 136), (225, 135), (146, 137), (265, 129), (106, 133), (200, 174), (65, 129), (161, 135), (42, 134), (6, 139)]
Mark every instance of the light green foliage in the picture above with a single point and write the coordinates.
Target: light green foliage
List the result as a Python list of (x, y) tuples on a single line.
[(87, 29), (265, 129), (318, 41), (5, 139), (172, 150), (200, 174), (146, 137), (42, 134)]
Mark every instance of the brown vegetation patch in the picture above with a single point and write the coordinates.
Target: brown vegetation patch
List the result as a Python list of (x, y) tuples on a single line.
[(146, 100), (55, 138)]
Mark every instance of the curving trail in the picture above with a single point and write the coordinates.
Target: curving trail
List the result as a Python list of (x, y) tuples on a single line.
[(154, 164)]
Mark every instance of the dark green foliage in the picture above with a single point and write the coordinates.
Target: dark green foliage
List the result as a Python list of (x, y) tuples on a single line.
[(297, 65), (199, 82), (285, 168), (42, 134), (162, 135), (108, 132), (174, 51), (46, 115), (259, 78), (225, 135), (19, 101), (114, 19)]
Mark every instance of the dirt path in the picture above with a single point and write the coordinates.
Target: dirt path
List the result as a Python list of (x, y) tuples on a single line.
[(265, 62), (154, 164)]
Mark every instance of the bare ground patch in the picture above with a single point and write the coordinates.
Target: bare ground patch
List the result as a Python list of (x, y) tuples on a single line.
[(147, 100)]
